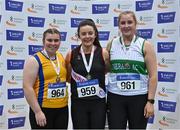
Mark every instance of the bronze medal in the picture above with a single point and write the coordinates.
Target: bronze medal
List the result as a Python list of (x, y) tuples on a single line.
[(57, 79), (88, 76)]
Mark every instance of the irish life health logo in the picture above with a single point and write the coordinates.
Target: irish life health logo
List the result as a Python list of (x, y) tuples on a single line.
[(167, 17), (1, 79), (103, 35), (63, 36), (167, 106), (16, 122), (34, 48), (74, 46), (144, 5), (13, 64), (75, 22), (1, 110), (145, 33), (166, 47), (0, 50), (36, 22), (14, 5), (57, 8), (14, 35), (115, 21), (100, 8), (15, 93), (151, 120), (166, 76)]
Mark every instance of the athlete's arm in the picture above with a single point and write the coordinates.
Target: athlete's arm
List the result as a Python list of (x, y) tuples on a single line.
[(68, 66), (30, 73), (106, 60), (151, 64), (108, 46)]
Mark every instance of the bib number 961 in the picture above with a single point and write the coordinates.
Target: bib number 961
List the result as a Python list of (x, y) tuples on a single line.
[(127, 85)]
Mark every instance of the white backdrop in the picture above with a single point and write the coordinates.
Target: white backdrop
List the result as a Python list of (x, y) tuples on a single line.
[(23, 22)]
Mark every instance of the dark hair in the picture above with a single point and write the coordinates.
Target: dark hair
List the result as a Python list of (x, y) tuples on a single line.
[(91, 23), (125, 13), (51, 31)]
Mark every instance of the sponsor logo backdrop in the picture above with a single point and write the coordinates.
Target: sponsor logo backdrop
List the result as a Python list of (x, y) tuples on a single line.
[(23, 22)]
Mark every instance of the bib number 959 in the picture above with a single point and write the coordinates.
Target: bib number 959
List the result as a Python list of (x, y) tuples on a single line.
[(87, 91)]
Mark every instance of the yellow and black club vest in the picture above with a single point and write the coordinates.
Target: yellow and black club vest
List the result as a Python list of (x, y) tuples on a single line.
[(48, 75)]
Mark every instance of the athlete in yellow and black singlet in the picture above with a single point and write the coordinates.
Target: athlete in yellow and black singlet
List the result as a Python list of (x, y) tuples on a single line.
[(55, 109), (48, 75), (44, 84)]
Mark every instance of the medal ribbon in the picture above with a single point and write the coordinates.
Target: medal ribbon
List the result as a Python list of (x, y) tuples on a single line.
[(88, 67), (56, 68), (132, 41), (123, 44)]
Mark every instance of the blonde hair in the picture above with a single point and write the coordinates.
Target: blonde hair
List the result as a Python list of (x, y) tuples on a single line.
[(125, 13)]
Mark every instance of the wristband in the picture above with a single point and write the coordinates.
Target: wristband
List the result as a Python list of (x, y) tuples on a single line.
[(151, 101)]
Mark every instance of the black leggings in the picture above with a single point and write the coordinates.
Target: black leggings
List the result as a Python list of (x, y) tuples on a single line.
[(123, 109), (88, 114), (57, 118)]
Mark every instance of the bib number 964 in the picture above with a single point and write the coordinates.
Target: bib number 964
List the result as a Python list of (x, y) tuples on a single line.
[(57, 93)]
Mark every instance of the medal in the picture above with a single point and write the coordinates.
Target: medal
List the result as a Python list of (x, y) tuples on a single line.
[(56, 68), (88, 76), (127, 48), (88, 66), (58, 79)]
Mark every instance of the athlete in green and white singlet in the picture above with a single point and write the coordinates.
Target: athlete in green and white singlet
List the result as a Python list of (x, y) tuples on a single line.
[(128, 70)]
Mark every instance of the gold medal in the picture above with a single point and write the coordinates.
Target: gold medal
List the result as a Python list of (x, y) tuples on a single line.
[(88, 76), (57, 79)]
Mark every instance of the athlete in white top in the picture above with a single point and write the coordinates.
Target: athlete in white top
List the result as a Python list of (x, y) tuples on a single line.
[(133, 77)]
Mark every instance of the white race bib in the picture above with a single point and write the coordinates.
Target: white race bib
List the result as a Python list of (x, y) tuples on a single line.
[(56, 90), (88, 88), (128, 82)]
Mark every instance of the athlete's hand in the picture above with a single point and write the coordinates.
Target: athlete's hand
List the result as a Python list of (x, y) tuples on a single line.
[(40, 118), (148, 110)]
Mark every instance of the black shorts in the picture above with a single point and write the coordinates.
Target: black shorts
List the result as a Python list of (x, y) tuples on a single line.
[(88, 114), (57, 118), (126, 109)]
